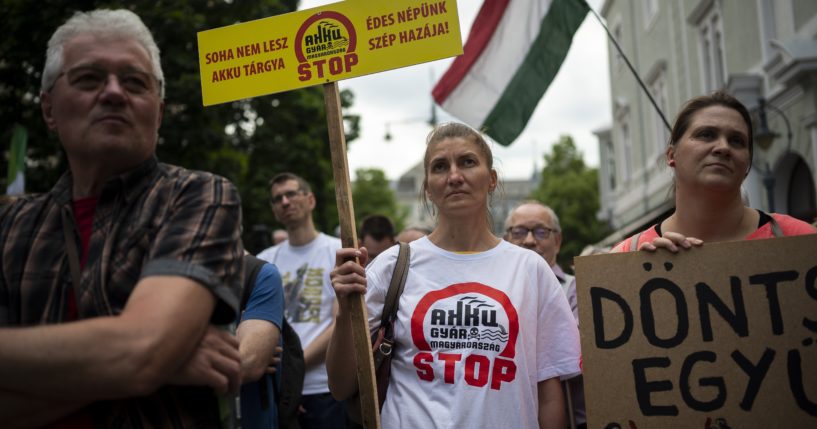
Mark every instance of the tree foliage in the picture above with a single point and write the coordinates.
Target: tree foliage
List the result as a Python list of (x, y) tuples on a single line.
[(371, 194), (247, 141), (570, 188)]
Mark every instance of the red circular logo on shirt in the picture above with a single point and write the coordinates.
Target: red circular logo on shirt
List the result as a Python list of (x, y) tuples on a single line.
[(466, 331)]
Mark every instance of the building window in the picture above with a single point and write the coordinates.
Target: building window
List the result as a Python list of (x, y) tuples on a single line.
[(768, 28), (659, 134), (801, 199), (611, 165), (626, 148), (711, 50)]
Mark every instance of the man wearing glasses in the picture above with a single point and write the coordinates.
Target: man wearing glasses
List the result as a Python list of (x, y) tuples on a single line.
[(535, 226), (109, 282), (305, 260)]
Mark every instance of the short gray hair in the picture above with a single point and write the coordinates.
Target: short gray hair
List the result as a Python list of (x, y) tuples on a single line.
[(556, 225), (102, 22)]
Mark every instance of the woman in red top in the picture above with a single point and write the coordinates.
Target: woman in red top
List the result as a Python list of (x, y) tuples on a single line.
[(710, 151)]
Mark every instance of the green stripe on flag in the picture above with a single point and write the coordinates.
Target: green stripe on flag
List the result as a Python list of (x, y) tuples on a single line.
[(547, 52)]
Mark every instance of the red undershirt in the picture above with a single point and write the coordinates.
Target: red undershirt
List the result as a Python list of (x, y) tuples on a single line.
[(84, 209)]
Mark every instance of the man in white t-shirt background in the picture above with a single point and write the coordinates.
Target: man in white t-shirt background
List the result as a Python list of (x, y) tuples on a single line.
[(304, 261)]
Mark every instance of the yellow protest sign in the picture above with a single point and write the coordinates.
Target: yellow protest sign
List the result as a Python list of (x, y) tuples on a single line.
[(325, 44)]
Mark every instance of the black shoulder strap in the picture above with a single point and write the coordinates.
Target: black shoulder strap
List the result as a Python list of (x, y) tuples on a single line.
[(398, 282), (252, 266), (777, 231), (289, 381)]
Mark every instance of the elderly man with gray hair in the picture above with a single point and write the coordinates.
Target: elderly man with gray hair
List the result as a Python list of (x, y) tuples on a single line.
[(111, 282)]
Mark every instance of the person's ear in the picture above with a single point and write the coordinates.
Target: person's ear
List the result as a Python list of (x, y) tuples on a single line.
[(46, 107), (492, 185), (671, 156), (310, 198)]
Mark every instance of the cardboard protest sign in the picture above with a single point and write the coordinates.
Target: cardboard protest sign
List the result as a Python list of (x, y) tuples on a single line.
[(324, 44), (714, 337)]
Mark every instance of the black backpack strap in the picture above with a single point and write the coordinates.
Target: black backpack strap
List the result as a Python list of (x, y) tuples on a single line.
[(252, 266), (398, 282), (777, 231), (289, 382)]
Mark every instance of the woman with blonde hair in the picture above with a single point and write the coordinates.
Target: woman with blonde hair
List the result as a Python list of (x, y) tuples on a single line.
[(483, 331)]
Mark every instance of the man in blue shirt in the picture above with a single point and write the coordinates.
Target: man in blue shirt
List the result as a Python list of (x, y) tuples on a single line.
[(258, 334)]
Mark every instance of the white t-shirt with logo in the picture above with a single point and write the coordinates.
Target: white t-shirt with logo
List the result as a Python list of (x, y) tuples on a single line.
[(474, 334), (308, 294)]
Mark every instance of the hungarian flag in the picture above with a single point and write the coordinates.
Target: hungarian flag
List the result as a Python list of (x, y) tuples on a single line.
[(17, 161), (512, 54)]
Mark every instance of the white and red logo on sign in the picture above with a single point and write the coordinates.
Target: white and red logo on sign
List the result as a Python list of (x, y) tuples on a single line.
[(471, 327), (325, 45)]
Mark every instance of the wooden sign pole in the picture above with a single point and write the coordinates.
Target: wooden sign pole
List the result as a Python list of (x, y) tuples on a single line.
[(369, 408)]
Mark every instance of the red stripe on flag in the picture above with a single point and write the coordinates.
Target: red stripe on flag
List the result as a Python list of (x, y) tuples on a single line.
[(482, 30)]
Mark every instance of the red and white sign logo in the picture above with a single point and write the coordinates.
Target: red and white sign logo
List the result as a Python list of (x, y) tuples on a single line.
[(473, 330), (325, 45)]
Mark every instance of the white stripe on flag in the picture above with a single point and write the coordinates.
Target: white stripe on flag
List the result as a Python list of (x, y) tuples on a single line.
[(477, 94)]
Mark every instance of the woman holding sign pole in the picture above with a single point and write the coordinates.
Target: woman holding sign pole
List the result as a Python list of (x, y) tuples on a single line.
[(483, 332), (710, 152)]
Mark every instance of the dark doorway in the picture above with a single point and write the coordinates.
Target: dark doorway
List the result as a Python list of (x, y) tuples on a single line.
[(801, 196)]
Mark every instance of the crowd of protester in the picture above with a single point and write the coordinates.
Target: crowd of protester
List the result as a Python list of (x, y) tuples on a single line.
[(121, 288)]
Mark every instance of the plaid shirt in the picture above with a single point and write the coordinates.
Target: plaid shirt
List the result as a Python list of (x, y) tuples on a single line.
[(157, 219)]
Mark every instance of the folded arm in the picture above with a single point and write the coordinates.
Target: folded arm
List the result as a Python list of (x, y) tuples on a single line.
[(130, 354)]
